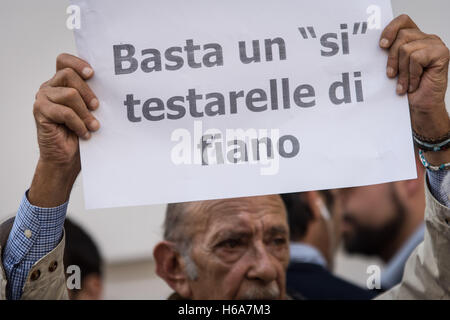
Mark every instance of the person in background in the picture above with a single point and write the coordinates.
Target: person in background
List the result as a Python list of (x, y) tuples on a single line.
[(312, 248), (385, 221), (225, 249), (81, 251)]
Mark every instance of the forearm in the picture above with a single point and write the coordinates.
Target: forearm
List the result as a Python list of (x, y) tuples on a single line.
[(433, 125), (52, 184)]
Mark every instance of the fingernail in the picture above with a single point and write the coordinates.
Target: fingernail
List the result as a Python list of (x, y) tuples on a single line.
[(87, 135), (384, 42), (87, 72), (390, 71), (411, 88), (94, 103), (94, 125), (399, 89)]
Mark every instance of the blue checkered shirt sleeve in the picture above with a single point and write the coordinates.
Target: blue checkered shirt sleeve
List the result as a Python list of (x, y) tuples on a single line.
[(36, 232), (439, 182)]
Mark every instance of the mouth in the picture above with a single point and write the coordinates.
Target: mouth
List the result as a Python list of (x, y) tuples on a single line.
[(272, 292)]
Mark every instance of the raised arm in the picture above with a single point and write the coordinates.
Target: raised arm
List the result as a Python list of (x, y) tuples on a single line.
[(421, 63), (62, 111)]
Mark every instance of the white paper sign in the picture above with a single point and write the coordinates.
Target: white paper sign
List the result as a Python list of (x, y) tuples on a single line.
[(206, 99)]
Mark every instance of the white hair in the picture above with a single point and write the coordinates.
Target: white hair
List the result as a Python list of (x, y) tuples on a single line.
[(175, 231)]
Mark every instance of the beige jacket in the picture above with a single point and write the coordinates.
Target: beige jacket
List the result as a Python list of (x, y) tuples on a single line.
[(426, 276), (46, 279), (427, 271)]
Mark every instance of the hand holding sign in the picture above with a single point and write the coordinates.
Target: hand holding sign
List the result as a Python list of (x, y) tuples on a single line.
[(421, 63), (193, 185), (63, 113)]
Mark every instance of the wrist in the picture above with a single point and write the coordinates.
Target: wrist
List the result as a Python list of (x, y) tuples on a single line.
[(52, 184), (433, 125), (60, 169)]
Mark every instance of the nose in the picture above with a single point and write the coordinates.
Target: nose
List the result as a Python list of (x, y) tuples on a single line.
[(263, 266)]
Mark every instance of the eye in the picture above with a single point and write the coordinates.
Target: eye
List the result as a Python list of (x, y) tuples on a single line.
[(279, 241), (230, 243)]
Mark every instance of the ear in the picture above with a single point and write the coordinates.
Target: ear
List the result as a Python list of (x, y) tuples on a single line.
[(313, 198), (318, 232), (170, 268), (410, 188), (92, 287)]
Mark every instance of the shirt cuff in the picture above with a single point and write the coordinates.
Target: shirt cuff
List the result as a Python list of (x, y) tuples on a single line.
[(439, 182), (36, 232)]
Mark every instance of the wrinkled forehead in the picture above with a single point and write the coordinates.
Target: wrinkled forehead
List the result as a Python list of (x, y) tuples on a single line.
[(239, 212)]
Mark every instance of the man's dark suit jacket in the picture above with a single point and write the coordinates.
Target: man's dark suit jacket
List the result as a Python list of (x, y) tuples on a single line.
[(314, 282)]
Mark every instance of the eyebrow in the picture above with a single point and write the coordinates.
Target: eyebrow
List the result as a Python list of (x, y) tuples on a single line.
[(278, 230), (235, 234), (226, 234)]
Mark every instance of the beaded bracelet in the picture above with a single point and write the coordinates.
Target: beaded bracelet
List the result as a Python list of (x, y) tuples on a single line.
[(426, 164), (425, 146), (433, 140)]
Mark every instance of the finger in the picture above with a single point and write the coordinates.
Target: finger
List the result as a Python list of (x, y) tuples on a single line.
[(83, 68), (424, 57), (63, 115), (405, 52), (68, 77), (416, 62), (404, 36), (45, 84), (389, 33), (71, 98)]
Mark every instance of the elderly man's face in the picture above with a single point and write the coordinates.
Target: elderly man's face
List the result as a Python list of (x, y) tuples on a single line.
[(240, 248)]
